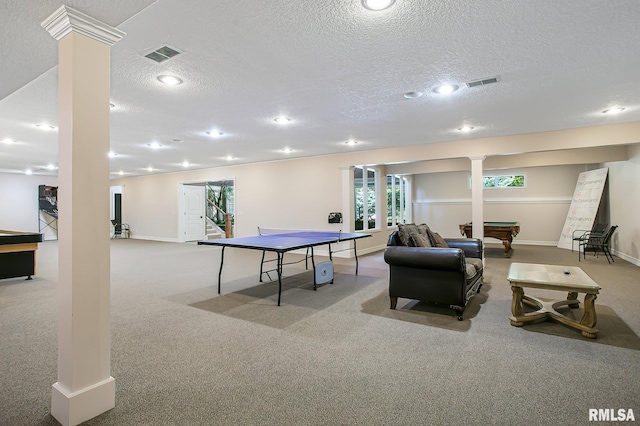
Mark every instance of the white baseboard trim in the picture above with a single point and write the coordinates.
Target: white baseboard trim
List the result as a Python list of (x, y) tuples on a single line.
[(626, 257), (373, 249), (617, 253), (162, 239), (73, 408), (492, 241), (348, 254)]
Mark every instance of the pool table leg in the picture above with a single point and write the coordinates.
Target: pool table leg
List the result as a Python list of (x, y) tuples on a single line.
[(507, 247)]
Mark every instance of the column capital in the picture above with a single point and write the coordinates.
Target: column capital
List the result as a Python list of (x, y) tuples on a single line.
[(65, 20), (478, 157)]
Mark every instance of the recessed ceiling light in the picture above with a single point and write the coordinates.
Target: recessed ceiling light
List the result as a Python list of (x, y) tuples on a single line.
[(613, 111), (154, 145), (287, 150), (282, 120), (171, 80), (377, 4), (149, 169), (44, 126), (112, 154), (466, 128), (215, 133), (185, 163), (120, 172), (445, 89), (9, 141), (412, 95), (28, 171), (228, 158), (351, 142), (51, 167)]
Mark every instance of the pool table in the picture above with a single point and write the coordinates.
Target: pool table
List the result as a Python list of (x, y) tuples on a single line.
[(18, 253), (504, 231)]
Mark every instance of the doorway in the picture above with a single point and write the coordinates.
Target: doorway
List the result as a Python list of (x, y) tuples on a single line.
[(193, 212), (115, 206), (206, 210)]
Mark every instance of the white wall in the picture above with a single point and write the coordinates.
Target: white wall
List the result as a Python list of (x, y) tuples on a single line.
[(301, 192), (297, 194), (19, 200), (624, 192), (443, 200)]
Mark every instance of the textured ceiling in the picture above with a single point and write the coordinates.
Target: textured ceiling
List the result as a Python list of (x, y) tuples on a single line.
[(338, 70)]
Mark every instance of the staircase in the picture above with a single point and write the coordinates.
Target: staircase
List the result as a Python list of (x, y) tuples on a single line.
[(219, 224), (213, 231), (48, 211)]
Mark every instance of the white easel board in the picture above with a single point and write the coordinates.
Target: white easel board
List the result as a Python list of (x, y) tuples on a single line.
[(584, 205)]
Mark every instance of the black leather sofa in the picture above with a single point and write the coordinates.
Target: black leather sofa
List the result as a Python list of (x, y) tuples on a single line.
[(435, 274)]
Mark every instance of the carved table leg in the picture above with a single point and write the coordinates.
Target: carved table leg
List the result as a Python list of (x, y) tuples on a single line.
[(507, 247), (573, 296), (516, 305), (589, 317)]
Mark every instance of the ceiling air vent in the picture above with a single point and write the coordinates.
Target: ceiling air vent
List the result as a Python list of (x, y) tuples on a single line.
[(162, 54), (482, 82)]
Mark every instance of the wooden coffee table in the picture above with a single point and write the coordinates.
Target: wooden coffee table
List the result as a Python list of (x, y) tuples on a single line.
[(552, 277)]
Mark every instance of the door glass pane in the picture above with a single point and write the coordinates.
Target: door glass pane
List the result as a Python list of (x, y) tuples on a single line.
[(390, 204), (371, 199), (359, 199)]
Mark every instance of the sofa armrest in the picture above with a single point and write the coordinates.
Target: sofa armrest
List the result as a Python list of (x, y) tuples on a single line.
[(472, 247), (436, 258), (394, 239)]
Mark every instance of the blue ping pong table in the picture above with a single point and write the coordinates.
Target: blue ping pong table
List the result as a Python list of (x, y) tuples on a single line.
[(281, 241)]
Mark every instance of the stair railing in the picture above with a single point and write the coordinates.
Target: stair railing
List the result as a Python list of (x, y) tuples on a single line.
[(228, 228)]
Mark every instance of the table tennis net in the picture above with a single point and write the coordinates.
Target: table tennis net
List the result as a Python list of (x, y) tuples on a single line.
[(299, 232)]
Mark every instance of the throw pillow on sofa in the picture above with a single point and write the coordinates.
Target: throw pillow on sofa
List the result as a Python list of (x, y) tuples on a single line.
[(437, 240), (423, 229), (420, 240), (405, 231)]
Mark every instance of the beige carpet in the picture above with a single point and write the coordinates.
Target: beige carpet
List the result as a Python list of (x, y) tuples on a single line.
[(184, 355), (258, 304)]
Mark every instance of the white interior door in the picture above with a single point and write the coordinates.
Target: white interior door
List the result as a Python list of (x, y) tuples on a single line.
[(194, 222)]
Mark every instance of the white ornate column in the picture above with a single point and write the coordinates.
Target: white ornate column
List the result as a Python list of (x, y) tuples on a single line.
[(85, 387), (477, 197)]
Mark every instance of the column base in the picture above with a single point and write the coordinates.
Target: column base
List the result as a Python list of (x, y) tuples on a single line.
[(73, 408)]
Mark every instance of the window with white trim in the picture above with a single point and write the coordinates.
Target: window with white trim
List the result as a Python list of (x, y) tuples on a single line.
[(397, 200), (503, 181), (366, 198)]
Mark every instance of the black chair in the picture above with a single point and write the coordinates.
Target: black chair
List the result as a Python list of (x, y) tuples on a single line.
[(120, 230), (599, 242), (598, 228)]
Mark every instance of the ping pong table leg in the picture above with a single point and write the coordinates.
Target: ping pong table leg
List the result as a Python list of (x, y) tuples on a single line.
[(220, 271), (355, 252), (313, 263), (331, 259), (280, 259), (261, 263)]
